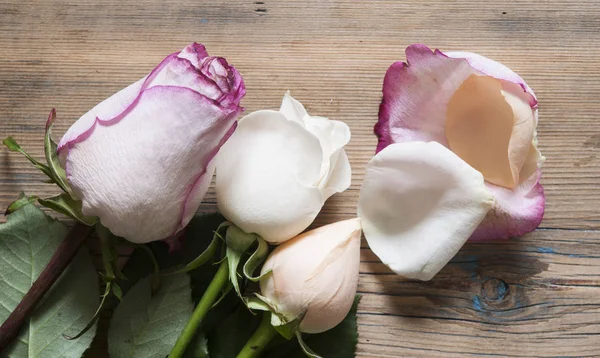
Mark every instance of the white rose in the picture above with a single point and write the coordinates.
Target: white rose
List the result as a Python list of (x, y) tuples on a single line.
[(278, 168)]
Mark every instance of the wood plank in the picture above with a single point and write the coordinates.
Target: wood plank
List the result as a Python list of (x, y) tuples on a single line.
[(71, 54), (534, 296)]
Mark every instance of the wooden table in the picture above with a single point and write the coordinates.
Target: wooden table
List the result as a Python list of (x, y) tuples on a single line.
[(533, 296)]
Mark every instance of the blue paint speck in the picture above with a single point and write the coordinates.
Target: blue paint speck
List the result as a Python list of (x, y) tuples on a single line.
[(501, 290), (204, 21), (545, 250), (477, 303)]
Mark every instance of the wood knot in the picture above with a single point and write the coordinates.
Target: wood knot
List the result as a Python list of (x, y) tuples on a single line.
[(494, 289)]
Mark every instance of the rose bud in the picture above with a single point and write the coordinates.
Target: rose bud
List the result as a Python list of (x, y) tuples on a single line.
[(278, 168), (314, 276), (142, 160)]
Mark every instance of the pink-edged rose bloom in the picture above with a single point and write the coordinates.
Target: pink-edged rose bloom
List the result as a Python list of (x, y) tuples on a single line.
[(142, 160), (483, 115)]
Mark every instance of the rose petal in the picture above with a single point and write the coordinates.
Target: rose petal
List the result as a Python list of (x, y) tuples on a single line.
[(292, 109), (340, 175), (279, 161), (171, 70), (419, 204), (479, 127), (520, 211), (335, 173), (416, 95), (490, 124), (181, 72), (156, 135), (514, 213), (316, 272), (108, 109), (491, 68), (194, 53)]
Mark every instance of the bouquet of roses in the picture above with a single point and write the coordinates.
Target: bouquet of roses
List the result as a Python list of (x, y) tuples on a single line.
[(457, 159)]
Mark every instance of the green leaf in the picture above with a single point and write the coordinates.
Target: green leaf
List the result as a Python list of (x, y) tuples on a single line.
[(148, 326), (257, 304), (92, 322), (256, 259), (22, 201), (117, 291), (27, 242), (230, 336), (109, 255), (197, 237), (198, 348), (13, 146), (50, 150), (238, 242), (203, 258), (305, 348), (64, 204), (286, 329)]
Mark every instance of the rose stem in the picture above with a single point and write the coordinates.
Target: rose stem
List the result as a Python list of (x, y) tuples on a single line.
[(259, 340), (206, 302), (63, 255)]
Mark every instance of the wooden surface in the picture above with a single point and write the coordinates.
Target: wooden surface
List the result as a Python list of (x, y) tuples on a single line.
[(534, 296)]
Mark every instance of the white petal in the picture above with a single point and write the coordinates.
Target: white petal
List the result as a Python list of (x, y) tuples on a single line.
[(335, 173), (144, 175), (419, 204), (292, 109), (340, 175), (266, 174), (333, 136)]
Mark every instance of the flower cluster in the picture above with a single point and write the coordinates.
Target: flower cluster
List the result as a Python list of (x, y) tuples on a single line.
[(457, 159)]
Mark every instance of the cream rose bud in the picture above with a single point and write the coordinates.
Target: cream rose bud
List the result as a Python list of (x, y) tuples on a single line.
[(315, 274), (142, 160), (278, 168)]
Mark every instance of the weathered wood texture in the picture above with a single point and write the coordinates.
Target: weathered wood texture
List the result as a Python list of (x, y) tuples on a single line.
[(534, 296)]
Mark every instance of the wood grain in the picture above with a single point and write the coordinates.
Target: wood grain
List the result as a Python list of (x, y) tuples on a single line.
[(534, 296)]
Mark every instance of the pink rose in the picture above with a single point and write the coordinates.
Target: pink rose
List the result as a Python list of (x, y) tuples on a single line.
[(142, 160), (457, 159)]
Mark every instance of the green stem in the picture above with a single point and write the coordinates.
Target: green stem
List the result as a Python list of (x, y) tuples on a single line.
[(259, 340), (210, 296)]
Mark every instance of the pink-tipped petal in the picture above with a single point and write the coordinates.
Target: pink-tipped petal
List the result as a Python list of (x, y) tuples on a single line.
[(416, 94), (181, 72), (491, 68), (203, 180), (515, 212), (139, 174), (179, 69), (109, 108), (194, 53)]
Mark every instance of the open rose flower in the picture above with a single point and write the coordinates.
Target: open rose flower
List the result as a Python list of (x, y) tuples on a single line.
[(482, 114), (315, 275), (142, 160), (278, 168)]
